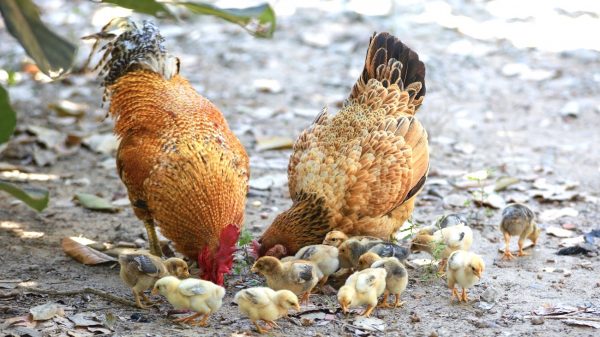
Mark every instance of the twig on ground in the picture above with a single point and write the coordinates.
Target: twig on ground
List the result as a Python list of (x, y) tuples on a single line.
[(87, 290)]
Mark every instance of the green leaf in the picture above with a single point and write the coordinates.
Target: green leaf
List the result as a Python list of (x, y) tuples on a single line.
[(8, 117), (258, 20), (151, 7), (95, 203), (35, 198), (52, 54)]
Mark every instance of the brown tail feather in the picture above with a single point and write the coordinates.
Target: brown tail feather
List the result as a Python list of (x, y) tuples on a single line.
[(391, 62)]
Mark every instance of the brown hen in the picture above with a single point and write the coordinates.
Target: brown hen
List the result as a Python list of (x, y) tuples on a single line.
[(359, 170), (185, 171)]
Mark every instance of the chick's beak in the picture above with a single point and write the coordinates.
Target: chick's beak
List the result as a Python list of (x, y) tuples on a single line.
[(297, 307), (154, 291), (478, 273)]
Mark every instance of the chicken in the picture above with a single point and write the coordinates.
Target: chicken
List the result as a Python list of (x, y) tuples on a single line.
[(335, 238), (351, 249), (465, 269), (185, 171), (359, 171), (443, 242), (141, 271), (203, 297), (266, 304), (362, 288), (298, 276), (444, 221), (324, 256), (395, 280), (518, 220), (388, 249)]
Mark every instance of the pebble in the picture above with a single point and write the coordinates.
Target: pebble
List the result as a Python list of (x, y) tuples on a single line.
[(264, 215), (537, 320), (414, 318), (256, 203), (490, 295)]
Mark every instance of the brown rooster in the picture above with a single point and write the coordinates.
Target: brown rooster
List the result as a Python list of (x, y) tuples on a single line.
[(359, 171), (185, 171)]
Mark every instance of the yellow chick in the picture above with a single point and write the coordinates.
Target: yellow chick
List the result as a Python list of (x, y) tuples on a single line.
[(324, 256), (335, 238), (362, 288), (443, 242), (266, 304), (298, 276), (351, 249), (396, 279), (465, 269), (141, 271), (518, 220), (203, 297)]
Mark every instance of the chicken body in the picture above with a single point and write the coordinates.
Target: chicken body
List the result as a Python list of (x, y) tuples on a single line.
[(359, 171), (465, 269), (443, 242), (203, 297), (518, 220), (351, 249), (185, 171), (298, 276), (362, 288), (396, 279), (141, 271), (324, 256), (266, 304)]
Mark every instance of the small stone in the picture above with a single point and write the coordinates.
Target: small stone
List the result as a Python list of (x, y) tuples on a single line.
[(537, 320), (567, 273), (256, 203), (414, 318), (539, 276), (489, 295), (433, 334), (264, 215)]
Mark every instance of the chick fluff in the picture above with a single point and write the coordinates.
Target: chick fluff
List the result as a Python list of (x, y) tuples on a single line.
[(396, 279), (335, 238), (141, 271), (362, 288), (465, 269), (324, 256), (518, 220), (298, 276), (266, 304), (351, 249), (203, 297), (443, 242)]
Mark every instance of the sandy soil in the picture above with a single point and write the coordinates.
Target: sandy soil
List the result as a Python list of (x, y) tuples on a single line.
[(493, 103)]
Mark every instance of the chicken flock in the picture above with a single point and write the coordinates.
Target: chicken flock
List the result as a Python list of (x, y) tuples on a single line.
[(353, 179)]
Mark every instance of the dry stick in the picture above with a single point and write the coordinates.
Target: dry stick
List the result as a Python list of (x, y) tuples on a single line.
[(593, 319), (83, 291)]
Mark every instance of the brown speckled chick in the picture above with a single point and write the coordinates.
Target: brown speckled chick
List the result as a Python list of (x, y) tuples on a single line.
[(141, 271), (518, 220), (351, 250)]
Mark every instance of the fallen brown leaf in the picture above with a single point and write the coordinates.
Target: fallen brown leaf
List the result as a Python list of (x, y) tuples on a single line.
[(84, 254)]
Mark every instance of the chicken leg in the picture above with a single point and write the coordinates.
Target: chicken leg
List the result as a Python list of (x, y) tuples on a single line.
[(455, 294), (188, 319), (384, 301), (203, 322), (260, 328), (368, 311), (521, 243), (397, 302), (153, 238), (507, 254), (464, 297)]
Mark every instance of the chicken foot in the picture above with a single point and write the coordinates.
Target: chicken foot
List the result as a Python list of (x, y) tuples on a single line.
[(262, 329), (188, 319), (507, 254), (368, 311), (464, 297)]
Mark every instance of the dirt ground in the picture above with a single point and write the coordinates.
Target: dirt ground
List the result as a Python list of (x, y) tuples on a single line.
[(507, 92)]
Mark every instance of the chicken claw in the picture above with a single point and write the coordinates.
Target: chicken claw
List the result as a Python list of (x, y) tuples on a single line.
[(464, 296), (455, 294), (368, 311)]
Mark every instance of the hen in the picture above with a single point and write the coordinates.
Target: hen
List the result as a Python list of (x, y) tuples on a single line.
[(359, 170), (185, 171)]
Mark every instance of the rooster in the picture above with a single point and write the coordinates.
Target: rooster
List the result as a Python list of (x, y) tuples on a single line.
[(185, 171), (358, 171)]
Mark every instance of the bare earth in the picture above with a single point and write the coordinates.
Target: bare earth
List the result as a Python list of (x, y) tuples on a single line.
[(527, 109)]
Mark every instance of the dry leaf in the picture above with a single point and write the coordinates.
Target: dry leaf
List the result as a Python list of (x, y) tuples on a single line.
[(274, 143), (553, 214), (559, 232), (579, 322), (46, 311), (84, 319), (370, 324), (66, 108), (95, 203), (82, 253)]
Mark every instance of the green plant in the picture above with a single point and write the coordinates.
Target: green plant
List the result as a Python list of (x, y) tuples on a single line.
[(54, 55)]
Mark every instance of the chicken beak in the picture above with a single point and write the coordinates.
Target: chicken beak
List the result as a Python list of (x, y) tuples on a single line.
[(478, 274), (154, 291), (297, 307), (344, 309)]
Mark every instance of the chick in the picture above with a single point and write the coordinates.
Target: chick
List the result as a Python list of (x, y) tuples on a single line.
[(203, 297), (465, 269), (366, 260), (518, 219), (351, 249), (362, 288), (444, 221), (443, 242), (324, 256), (388, 249), (298, 276), (141, 271), (335, 238), (395, 280), (266, 304)]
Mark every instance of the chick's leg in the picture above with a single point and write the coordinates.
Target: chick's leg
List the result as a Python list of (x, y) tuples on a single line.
[(442, 268), (507, 254), (187, 319), (272, 324), (259, 328), (323, 281), (152, 238), (521, 243), (146, 299), (203, 322), (137, 300), (305, 297), (397, 303), (464, 297), (368, 311), (384, 301)]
